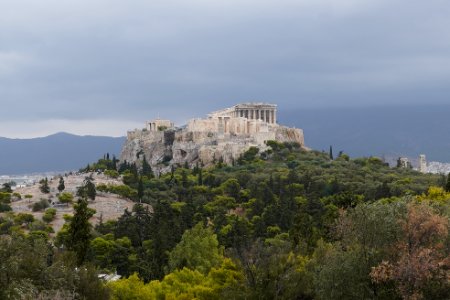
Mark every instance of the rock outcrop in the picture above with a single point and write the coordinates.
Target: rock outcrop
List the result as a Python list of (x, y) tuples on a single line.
[(169, 146)]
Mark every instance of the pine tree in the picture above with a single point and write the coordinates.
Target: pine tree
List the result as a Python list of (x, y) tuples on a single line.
[(44, 186), (61, 185), (80, 230)]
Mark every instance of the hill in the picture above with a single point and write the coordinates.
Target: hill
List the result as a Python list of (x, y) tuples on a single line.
[(57, 152)]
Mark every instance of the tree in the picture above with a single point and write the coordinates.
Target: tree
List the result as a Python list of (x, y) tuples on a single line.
[(140, 190), (87, 190), (421, 257), (447, 185), (79, 232), (6, 188), (45, 189), (61, 186), (146, 168), (197, 250), (331, 153)]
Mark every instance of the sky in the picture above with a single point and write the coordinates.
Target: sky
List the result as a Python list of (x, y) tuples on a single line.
[(102, 67)]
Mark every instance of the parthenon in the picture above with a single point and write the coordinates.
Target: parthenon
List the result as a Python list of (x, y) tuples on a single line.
[(246, 118), (252, 111)]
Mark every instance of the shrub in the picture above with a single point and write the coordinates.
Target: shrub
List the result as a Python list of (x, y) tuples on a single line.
[(5, 207), (65, 197), (5, 197), (41, 205), (112, 173), (49, 215)]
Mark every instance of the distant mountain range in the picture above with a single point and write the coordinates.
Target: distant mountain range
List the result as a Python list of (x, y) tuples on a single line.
[(59, 152), (379, 131)]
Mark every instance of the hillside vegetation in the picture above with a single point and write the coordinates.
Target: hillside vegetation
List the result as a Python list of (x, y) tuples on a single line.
[(282, 224)]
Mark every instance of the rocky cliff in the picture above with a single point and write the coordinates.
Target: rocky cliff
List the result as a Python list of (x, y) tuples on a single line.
[(178, 146)]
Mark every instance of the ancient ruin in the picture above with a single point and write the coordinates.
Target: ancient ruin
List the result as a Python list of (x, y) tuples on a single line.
[(223, 135)]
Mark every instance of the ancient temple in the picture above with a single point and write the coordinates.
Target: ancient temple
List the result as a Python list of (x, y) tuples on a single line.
[(252, 111), (246, 118)]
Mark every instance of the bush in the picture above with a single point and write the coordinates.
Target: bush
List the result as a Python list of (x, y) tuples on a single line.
[(41, 205), (112, 173), (49, 215), (65, 197), (5, 207), (5, 197)]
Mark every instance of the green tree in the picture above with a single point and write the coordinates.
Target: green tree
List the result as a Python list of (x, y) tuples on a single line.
[(79, 232), (44, 188), (140, 191), (197, 250), (146, 168), (61, 185), (6, 188), (447, 184), (87, 190)]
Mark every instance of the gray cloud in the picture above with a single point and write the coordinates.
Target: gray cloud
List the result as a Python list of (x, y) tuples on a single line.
[(130, 61)]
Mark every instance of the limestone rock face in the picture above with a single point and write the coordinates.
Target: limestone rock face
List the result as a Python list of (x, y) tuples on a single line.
[(163, 149)]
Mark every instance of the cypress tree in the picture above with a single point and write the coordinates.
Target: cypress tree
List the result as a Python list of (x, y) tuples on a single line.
[(140, 189), (331, 153), (80, 230), (200, 176), (61, 185), (146, 168), (114, 163)]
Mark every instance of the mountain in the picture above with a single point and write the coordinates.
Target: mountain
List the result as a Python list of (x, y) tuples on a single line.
[(58, 152), (380, 131)]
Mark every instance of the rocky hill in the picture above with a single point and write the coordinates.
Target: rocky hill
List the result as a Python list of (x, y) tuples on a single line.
[(221, 137)]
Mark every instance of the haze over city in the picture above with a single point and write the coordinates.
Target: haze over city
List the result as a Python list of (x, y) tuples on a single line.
[(102, 67)]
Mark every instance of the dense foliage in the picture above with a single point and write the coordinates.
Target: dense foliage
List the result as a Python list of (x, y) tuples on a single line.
[(280, 224)]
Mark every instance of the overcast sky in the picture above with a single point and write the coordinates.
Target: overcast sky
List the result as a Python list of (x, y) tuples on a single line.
[(105, 66)]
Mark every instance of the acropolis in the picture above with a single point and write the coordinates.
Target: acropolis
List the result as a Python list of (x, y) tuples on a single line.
[(245, 118), (224, 134)]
